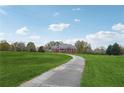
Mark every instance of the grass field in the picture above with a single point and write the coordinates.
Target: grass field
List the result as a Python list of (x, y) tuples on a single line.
[(17, 67), (103, 71)]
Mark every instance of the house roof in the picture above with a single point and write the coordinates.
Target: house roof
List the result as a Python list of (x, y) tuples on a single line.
[(64, 46)]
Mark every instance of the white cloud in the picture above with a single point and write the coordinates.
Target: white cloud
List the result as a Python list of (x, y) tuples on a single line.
[(2, 12), (76, 9), (77, 20), (118, 27), (35, 37), (22, 31), (102, 35), (58, 27), (56, 14), (104, 38), (100, 38)]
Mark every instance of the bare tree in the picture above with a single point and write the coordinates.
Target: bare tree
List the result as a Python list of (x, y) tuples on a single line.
[(52, 43), (83, 47), (18, 46), (100, 50)]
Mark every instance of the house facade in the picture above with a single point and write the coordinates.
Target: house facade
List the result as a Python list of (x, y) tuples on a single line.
[(64, 48)]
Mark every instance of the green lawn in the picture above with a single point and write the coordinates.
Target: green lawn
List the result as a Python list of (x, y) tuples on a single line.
[(103, 71), (17, 67)]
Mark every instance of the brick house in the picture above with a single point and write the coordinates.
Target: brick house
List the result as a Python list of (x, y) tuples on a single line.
[(64, 48)]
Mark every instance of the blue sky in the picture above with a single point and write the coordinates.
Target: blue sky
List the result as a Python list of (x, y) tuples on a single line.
[(98, 25)]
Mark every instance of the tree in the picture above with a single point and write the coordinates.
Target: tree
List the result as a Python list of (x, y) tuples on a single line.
[(18, 46), (122, 50), (31, 47), (21, 46), (83, 47), (88, 48), (79, 46), (4, 45), (108, 50), (116, 50), (50, 44), (12, 47), (41, 49), (100, 50)]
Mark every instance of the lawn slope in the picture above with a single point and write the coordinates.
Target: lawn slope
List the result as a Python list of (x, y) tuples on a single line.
[(102, 70), (17, 67)]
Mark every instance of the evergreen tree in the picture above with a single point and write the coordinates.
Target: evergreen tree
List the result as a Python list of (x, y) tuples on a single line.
[(108, 50), (116, 50)]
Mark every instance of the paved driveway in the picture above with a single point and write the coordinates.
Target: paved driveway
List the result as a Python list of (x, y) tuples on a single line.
[(66, 75)]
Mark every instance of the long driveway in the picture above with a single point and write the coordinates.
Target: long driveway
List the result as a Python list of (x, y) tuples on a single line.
[(66, 75)]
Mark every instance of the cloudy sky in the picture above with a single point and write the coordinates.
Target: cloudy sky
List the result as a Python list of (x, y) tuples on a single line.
[(98, 25)]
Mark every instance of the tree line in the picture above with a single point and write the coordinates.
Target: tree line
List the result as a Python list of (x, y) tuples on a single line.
[(19, 46), (82, 47)]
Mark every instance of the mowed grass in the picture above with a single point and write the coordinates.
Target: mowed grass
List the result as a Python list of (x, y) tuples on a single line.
[(17, 67), (103, 71)]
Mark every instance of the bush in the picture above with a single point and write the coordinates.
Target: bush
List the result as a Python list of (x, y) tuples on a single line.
[(41, 49)]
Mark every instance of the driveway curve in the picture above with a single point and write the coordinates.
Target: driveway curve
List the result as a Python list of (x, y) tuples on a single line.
[(66, 75)]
